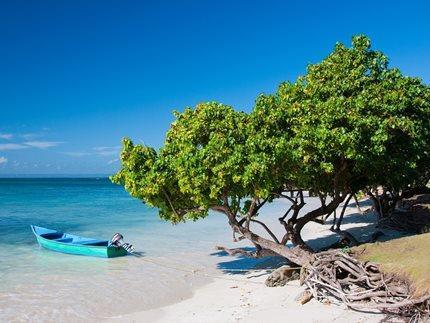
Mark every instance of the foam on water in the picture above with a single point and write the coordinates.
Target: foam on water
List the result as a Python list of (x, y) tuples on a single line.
[(39, 284)]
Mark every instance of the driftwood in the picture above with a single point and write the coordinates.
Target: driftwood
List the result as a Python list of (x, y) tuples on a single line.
[(361, 286), (304, 297), (281, 276)]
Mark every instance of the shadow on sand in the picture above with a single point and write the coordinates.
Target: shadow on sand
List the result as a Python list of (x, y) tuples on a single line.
[(242, 265)]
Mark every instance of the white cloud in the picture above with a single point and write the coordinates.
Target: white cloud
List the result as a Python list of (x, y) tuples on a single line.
[(107, 153), (31, 136), (112, 161), (107, 150), (12, 146), (6, 136), (42, 144), (97, 151), (76, 153), (3, 160), (103, 148)]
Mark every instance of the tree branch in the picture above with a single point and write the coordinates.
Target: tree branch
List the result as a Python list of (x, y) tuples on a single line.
[(345, 205), (284, 196), (170, 203), (267, 229)]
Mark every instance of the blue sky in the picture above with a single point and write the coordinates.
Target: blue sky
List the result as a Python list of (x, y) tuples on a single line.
[(77, 76)]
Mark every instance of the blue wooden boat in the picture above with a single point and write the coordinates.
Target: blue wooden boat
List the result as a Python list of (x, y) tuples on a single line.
[(72, 244)]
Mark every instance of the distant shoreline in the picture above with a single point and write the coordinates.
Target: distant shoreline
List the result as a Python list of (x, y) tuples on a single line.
[(53, 176)]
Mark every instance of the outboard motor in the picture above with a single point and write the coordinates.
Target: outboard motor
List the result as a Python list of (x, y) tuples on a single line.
[(117, 241)]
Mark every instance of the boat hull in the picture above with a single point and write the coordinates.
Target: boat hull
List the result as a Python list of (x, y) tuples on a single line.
[(80, 249)]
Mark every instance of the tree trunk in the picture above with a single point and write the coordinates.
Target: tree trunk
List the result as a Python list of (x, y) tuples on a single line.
[(296, 254), (296, 238), (376, 205), (300, 254), (339, 221)]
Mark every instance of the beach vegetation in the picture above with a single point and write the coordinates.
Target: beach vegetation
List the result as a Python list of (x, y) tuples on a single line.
[(350, 124)]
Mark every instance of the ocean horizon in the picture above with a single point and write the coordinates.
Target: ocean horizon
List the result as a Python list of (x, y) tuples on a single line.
[(53, 176)]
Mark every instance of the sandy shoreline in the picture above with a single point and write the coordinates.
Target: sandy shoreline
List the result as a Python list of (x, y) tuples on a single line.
[(227, 301), (249, 300)]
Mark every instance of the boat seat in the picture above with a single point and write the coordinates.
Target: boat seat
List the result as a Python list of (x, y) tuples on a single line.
[(64, 240), (94, 242)]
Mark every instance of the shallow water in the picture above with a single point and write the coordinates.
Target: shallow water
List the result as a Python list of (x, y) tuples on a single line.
[(38, 284)]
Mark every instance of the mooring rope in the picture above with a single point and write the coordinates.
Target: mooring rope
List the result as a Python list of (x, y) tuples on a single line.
[(201, 273)]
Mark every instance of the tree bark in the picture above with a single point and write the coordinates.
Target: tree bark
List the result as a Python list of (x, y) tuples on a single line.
[(297, 254)]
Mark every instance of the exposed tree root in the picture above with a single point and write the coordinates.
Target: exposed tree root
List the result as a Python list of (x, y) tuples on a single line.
[(361, 286)]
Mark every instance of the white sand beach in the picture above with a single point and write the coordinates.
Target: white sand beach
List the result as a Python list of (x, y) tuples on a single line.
[(227, 301), (245, 298)]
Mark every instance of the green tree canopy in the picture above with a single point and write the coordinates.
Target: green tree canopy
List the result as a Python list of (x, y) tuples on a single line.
[(199, 165), (352, 113)]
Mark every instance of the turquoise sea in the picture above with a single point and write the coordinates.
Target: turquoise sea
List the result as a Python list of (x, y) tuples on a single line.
[(38, 284), (42, 285)]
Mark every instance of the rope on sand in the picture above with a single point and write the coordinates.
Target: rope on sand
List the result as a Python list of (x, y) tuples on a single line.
[(199, 271)]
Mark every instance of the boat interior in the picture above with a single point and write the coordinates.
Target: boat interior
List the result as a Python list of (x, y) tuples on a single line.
[(72, 239)]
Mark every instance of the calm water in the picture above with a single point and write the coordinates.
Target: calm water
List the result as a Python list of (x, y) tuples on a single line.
[(39, 284)]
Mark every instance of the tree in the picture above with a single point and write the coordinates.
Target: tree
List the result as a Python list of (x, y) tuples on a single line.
[(349, 124), (354, 124)]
